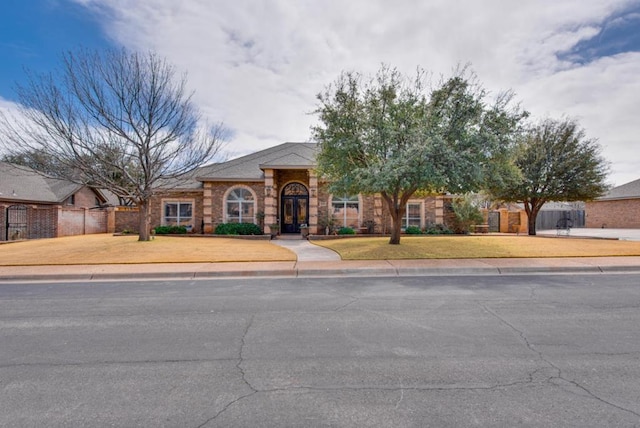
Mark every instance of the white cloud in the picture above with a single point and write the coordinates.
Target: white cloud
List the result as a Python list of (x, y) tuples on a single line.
[(257, 65)]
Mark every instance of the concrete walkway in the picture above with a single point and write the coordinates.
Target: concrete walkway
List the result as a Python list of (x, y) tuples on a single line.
[(306, 251)]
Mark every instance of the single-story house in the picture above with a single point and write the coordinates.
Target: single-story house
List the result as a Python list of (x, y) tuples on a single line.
[(619, 208), (279, 186), (34, 206)]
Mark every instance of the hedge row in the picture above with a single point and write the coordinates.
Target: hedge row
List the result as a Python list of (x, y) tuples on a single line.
[(238, 229)]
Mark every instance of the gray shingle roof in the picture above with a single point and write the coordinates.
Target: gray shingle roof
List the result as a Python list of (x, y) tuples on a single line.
[(22, 184), (250, 167), (626, 191)]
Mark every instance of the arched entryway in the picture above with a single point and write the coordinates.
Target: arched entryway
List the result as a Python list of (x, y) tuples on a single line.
[(294, 209)]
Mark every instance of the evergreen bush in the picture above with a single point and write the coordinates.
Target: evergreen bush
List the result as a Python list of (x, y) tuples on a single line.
[(238, 229), (346, 231), (413, 230), (170, 230)]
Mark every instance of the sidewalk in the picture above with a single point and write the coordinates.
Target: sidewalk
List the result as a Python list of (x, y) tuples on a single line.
[(308, 269)]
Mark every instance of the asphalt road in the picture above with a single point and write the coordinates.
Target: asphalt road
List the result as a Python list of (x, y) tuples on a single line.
[(438, 351)]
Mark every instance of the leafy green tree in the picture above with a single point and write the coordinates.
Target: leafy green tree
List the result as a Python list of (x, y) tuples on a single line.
[(116, 120), (557, 163), (392, 135)]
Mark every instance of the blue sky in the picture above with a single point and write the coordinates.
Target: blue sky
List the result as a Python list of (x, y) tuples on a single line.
[(33, 33), (258, 64)]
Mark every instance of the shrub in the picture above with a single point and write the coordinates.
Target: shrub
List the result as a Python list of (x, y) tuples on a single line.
[(238, 229), (437, 229), (170, 230), (346, 231), (413, 230)]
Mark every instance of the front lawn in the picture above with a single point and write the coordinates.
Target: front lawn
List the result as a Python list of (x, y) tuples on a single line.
[(108, 249), (469, 247)]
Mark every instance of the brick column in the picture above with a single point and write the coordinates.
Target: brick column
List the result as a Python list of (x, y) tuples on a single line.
[(504, 220), (207, 208), (313, 202), (439, 210), (378, 214), (270, 200)]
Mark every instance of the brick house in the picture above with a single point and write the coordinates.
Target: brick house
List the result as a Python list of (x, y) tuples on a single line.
[(280, 186), (33, 206), (619, 208)]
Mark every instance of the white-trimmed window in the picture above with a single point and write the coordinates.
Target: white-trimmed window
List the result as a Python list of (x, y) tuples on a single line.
[(240, 206), (346, 211), (178, 213), (412, 215)]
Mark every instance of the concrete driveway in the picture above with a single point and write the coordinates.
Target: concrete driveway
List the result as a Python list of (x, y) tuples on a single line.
[(622, 234)]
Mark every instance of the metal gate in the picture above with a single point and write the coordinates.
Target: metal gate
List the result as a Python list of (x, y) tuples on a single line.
[(17, 221), (494, 221)]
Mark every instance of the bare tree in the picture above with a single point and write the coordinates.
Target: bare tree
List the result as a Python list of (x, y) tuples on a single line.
[(116, 119)]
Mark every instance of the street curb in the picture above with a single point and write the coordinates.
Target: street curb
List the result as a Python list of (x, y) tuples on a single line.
[(316, 273)]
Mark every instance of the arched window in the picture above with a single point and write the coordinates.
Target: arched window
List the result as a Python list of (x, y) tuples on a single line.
[(240, 206), (295, 189), (346, 211)]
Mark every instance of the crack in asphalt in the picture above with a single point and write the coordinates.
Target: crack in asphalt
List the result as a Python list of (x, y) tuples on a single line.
[(241, 357), (240, 360), (559, 375), (339, 308)]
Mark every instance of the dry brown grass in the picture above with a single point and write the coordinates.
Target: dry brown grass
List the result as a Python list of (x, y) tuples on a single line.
[(108, 249), (469, 247)]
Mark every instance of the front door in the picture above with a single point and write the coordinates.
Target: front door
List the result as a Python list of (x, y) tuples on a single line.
[(295, 207)]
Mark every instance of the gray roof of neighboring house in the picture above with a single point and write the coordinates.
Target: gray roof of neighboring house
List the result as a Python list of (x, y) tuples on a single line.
[(250, 167), (22, 184), (626, 191)]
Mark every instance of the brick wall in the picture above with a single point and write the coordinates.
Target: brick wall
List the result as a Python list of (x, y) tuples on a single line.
[(85, 198), (621, 214), (81, 221), (126, 218), (194, 196), (43, 222), (3, 222), (218, 191)]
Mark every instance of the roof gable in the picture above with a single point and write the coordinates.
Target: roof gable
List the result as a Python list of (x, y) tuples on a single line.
[(25, 184), (250, 167)]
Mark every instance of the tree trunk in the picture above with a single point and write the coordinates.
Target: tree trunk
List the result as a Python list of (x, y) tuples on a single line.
[(532, 214), (532, 223), (396, 209), (144, 224), (396, 230)]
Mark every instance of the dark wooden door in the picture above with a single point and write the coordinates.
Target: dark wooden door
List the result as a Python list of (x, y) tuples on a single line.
[(294, 213), (294, 207)]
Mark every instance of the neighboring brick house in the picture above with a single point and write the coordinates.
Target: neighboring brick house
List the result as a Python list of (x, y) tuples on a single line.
[(619, 208), (279, 185), (34, 206)]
